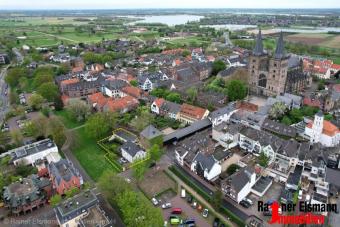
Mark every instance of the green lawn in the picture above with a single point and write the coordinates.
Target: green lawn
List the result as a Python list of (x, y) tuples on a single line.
[(91, 156), (67, 120)]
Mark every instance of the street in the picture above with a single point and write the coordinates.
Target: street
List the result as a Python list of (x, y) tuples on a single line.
[(4, 102)]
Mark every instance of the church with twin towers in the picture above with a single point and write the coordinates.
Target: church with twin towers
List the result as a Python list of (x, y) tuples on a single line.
[(271, 74)]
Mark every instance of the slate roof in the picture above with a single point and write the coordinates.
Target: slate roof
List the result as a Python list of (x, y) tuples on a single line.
[(258, 50), (25, 192), (115, 84), (131, 148), (171, 107), (279, 128), (222, 111), (333, 177), (206, 162), (242, 177), (62, 170), (280, 50), (294, 178), (150, 132)]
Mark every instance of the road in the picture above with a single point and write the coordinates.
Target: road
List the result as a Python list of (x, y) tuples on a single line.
[(225, 203), (109, 211), (4, 102)]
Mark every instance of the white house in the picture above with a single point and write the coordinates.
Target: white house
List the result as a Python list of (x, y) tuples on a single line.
[(113, 88), (239, 185), (206, 166), (227, 135), (30, 153), (132, 152), (322, 131), (223, 114)]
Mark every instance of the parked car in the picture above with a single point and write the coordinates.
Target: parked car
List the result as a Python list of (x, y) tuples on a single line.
[(249, 201), (176, 211), (216, 222), (245, 204), (300, 194), (307, 198), (189, 221), (154, 201), (122, 160), (189, 199), (194, 204), (205, 213), (166, 205), (183, 193), (175, 220)]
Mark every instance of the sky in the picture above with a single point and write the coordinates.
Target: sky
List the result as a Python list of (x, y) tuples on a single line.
[(130, 4)]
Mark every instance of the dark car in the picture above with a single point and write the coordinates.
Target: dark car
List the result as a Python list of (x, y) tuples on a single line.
[(216, 222), (245, 204), (189, 199), (189, 221)]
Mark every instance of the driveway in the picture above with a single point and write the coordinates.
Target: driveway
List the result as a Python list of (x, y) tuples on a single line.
[(188, 212)]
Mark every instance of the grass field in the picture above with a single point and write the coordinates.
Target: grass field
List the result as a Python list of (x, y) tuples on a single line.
[(33, 21), (325, 40), (67, 120), (91, 156)]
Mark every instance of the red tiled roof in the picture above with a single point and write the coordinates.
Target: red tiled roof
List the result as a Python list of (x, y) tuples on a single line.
[(70, 81), (133, 91), (64, 99), (173, 51), (335, 66), (246, 106), (98, 98), (126, 102), (328, 128), (159, 102), (77, 69), (192, 111), (311, 102)]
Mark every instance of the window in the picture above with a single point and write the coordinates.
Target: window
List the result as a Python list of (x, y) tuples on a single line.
[(262, 81), (274, 76)]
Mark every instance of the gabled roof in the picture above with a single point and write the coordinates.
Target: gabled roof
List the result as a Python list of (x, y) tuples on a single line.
[(62, 170), (328, 128), (150, 132), (193, 111), (171, 107), (131, 148), (206, 162), (241, 178), (222, 111)]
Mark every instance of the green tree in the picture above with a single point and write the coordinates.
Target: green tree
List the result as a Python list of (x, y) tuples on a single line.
[(155, 152), (99, 124), (286, 120), (143, 119), (17, 137), (13, 76), (216, 199), (218, 66), (138, 170), (78, 110), (236, 90), (25, 170), (277, 110), (37, 127), (263, 160), (72, 192), (41, 78), (296, 115), (232, 168), (36, 101), (57, 131), (192, 94), (49, 91), (186, 53), (328, 117), (173, 97), (134, 83), (55, 200)]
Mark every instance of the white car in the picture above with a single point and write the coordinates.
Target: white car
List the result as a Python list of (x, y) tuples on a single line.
[(249, 201), (300, 194), (166, 205), (205, 213), (154, 201)]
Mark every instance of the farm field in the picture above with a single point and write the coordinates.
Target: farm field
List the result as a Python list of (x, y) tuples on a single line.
[(33, 21), (325, 40)]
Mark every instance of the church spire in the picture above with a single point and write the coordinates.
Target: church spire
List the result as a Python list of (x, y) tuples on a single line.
[(280, 49), (258, 50)]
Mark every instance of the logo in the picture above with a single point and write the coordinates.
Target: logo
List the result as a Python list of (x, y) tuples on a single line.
[(307, 212)]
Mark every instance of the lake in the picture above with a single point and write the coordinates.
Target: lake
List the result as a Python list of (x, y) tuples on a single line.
[(170, 20)]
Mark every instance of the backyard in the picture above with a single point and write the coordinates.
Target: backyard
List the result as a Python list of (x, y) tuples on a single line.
[(91, 156), (67, 119)]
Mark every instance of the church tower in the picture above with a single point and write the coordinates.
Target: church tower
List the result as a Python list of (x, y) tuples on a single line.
[(317, 127), (267, 74)]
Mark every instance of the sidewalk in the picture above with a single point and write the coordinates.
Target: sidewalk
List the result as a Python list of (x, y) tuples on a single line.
[(198, 197)]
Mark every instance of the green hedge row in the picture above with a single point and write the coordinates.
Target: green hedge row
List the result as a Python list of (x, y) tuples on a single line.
[(205, 195)]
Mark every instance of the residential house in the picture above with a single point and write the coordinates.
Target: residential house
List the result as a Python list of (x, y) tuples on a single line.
[(27, 194), (113, 88), (81, 210), (133, 91), (132, 151), (206, 166), (151, 135), (239, 185), (294, 178), (149, 81), (121, 105), (235, 61), (64, 176), (223, 114), (190, 114), (323, 131), (227, 135), (30, 153), (165, 108)]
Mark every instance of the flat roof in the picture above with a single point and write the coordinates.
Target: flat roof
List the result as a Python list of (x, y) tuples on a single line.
[(262, 184)]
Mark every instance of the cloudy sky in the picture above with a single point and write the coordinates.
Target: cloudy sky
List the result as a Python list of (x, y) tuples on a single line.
[(119, 4)]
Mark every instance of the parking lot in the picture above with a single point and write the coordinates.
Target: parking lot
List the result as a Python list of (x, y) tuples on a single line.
[(188, 212)]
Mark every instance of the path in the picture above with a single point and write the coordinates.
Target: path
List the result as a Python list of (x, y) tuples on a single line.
[(200, 198)]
